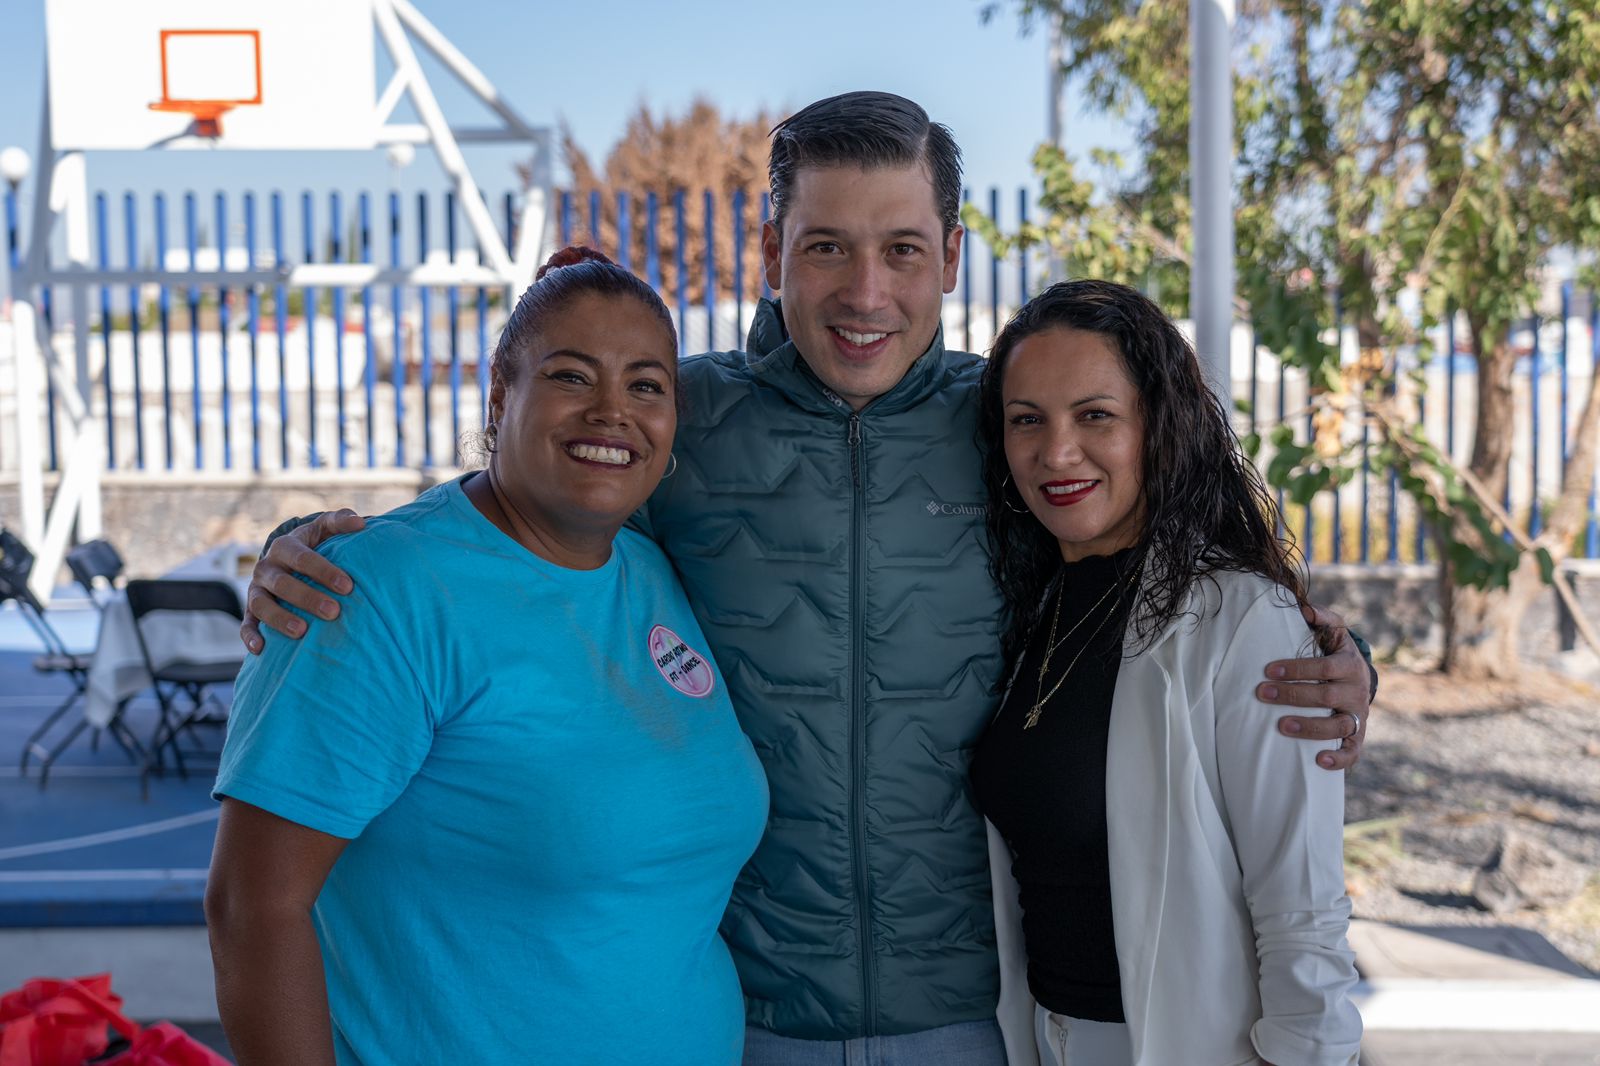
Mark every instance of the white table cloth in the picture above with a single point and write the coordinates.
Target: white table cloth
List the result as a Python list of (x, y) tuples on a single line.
[(117, 671)]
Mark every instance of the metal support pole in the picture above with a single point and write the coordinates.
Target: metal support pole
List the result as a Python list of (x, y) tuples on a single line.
[(1211, 189), (1535, 519), (1055, 105), (1055, 111), (491, 247), (966, 279), (528, 251), (29, 384), (28, 366), (71, 193), (61, 189)]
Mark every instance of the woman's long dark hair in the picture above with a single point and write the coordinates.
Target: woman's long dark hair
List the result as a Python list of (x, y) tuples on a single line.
[(1205, 508)]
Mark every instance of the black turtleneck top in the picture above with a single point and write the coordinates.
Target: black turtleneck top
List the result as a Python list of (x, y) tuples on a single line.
[(1044, 788)]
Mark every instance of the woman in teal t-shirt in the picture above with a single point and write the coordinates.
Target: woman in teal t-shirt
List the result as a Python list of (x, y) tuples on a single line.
[(493, 813)]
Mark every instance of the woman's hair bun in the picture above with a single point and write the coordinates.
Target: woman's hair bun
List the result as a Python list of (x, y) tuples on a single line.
[(572, 255)]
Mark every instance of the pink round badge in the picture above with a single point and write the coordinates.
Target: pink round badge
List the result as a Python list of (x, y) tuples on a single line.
[(684, 668)]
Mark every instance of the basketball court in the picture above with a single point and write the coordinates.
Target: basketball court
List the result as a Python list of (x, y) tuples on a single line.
[(86, 851), (92, 878)]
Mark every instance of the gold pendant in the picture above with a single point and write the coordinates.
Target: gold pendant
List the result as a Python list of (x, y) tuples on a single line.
[(1033, 716)]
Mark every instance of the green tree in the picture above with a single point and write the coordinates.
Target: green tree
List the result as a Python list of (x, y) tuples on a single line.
[(1440, 147)]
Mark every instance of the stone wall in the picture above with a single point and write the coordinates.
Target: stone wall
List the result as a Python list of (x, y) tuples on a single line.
[(157, 520), (1396, 607)]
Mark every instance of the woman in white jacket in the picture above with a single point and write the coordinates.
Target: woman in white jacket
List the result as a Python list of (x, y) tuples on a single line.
[(1179, 863)]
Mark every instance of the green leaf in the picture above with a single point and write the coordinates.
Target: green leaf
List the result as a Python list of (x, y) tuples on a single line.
[(1304, 488)]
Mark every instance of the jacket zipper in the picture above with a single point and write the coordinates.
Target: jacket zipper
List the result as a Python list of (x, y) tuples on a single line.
[(858, 731)]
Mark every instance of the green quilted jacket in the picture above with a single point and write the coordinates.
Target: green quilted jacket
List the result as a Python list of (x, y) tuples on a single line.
[(837, 563)]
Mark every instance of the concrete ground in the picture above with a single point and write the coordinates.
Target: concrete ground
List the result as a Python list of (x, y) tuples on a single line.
[(1424, 1048), (1378, 1049), (1470, 996)]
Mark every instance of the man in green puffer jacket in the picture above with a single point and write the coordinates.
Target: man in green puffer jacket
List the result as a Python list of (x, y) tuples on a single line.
[(826, 518)]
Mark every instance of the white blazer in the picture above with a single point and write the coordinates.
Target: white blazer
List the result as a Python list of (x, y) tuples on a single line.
[(1226, 840)]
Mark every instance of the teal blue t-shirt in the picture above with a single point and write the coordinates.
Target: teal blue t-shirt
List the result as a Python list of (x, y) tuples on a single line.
[(546, 794)]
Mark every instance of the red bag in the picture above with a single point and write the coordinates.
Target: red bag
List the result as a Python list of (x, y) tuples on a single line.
[(164, 1044), (50, 1022)]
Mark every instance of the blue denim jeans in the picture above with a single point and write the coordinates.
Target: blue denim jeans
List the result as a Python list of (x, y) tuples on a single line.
[(962, 1044)]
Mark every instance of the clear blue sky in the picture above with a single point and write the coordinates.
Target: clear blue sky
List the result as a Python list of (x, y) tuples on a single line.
[(592, 62)]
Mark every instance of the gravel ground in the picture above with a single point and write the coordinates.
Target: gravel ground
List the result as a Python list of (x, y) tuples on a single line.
[(1454, 764)]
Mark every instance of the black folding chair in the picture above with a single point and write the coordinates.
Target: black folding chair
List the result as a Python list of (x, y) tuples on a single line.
[(96, 566), (173, 674), (16, 566)]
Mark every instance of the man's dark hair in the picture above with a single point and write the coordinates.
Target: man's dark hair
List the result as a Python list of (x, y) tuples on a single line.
[(867, 130)]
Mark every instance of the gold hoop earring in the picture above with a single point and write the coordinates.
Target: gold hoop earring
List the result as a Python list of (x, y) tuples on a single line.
[(672, 466), (1004, 500)]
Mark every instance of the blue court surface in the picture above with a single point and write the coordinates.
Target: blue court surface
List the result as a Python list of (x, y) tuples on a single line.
[(87, 850)]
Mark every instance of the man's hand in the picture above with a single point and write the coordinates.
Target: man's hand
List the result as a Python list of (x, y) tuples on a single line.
[(274, 583), (1340, 681)]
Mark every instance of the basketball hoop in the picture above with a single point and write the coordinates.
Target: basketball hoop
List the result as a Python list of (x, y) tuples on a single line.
[(207, 73), (207, 114)]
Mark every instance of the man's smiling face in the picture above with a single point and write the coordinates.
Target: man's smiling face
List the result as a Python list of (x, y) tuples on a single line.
[(862, 264)]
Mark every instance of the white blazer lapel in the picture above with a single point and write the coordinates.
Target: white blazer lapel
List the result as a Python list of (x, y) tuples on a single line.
[(1138, 816)]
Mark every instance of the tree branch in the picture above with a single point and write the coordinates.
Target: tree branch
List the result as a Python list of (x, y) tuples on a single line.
[(1394, 430), (1430, 250)]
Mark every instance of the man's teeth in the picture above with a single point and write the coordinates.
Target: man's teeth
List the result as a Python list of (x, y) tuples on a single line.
[(1070, 487), (595, 453), (859, 338)]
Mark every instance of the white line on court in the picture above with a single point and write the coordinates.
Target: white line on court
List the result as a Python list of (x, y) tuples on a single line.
[(71, 770), (16, 877), (131, 832)]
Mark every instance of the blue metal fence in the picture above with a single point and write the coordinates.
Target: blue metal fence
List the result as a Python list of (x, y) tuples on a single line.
[(422, 377)]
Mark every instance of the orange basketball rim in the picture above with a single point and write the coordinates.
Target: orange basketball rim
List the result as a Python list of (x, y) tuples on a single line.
[(204, 59)]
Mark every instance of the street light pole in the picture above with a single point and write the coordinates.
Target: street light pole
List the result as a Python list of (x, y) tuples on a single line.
[(1055, 124), (1054, 117), (1211, 186)]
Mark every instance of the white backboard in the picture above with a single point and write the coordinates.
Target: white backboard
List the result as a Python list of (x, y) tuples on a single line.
[(109, 62)]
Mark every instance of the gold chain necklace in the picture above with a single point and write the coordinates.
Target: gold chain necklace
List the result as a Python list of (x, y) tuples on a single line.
[(1051, 644)]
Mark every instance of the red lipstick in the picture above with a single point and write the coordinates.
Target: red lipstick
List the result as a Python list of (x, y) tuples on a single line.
[(1067, 499)]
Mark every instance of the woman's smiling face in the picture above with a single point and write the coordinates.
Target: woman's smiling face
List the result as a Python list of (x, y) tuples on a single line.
[(1074, 439), (585, 427)]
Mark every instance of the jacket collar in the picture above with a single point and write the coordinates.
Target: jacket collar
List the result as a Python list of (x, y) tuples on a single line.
[(775, 360), (1193, 606)]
